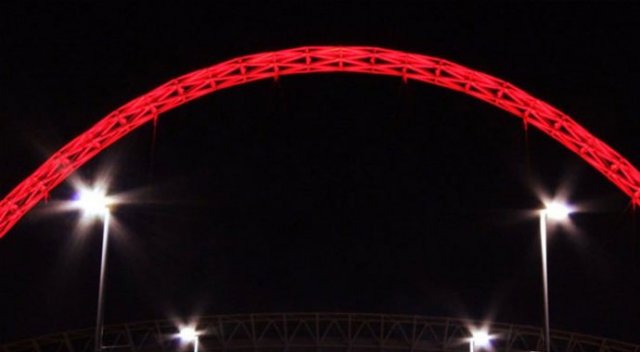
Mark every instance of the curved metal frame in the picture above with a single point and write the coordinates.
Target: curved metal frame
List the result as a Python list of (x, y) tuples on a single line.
[(320, 332), (304, 60)]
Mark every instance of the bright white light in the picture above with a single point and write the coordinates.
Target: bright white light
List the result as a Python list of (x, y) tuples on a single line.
[(92, 201), (188, 334), (557, 211), (481, 338)]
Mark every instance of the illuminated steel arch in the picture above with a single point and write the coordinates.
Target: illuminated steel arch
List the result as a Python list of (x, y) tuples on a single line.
[(303, 60)]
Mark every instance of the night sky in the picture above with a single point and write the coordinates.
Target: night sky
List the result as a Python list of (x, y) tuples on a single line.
[(334, 192)]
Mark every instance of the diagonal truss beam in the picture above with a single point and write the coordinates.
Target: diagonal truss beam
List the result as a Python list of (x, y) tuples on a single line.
[(305, 60)]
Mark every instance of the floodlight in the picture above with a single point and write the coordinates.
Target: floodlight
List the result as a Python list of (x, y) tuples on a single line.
[(480, 338), (557, 211), (188, 334), (92, 201)]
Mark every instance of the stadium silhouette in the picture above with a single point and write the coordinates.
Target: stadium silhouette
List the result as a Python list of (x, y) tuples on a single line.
[(318, 332)]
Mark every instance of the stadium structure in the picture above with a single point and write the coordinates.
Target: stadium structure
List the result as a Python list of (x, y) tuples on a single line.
[(317, 331), (307, 332)]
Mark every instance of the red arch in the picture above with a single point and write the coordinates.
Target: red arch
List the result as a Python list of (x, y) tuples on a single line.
[(304, 60)]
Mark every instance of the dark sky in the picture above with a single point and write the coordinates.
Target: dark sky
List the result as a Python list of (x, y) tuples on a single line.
[(323, 192)]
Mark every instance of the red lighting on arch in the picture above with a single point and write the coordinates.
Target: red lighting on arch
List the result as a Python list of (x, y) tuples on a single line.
[(304, 60)]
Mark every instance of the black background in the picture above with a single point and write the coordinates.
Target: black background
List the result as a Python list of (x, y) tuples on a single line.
[(321, 192)]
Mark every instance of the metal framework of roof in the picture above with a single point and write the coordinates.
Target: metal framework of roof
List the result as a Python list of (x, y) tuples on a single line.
[(318, 332)]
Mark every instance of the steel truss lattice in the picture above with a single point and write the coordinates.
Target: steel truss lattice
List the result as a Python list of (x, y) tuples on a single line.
[(319, 332), (304, 60)]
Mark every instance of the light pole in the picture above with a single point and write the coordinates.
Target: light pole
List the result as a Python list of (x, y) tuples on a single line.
[(95, 203), (480, 339), (557, 212), (189, 335)]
